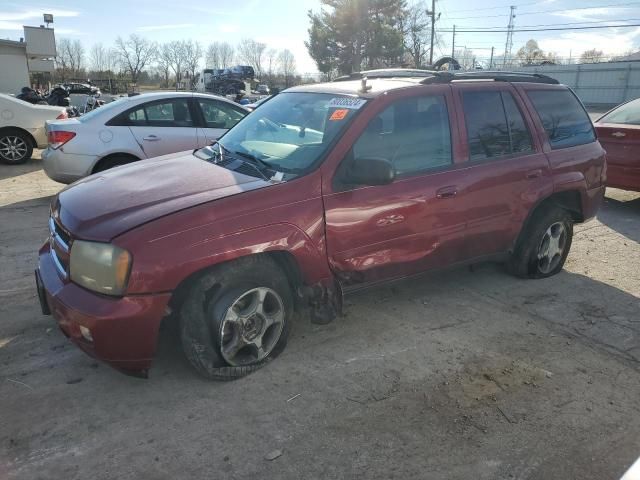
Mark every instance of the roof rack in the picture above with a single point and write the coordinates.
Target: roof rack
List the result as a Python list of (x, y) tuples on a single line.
[(438, 76), (448, 77), (386, 73)]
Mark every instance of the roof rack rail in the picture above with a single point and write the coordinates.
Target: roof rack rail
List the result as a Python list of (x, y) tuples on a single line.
[(386, 73), (447, 77)]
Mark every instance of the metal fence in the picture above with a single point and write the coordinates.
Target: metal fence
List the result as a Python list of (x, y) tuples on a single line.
[(605, 84)]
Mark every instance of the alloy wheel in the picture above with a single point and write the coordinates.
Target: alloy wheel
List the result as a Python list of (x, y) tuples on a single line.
[(13, 148), (552, 246), (252, 326)]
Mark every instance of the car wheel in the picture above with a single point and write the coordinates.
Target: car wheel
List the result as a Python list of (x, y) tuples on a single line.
[(237, 318), (15, 147), (544, 245)]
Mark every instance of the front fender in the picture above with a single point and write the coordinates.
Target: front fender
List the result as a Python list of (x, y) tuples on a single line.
[(163, 263)]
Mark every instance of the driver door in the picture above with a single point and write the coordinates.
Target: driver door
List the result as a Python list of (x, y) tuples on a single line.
[(413, 224)]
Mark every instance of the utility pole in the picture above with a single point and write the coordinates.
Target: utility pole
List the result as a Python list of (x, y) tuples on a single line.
[(432, 13), (491, 60), (509, 44), (453, 43)]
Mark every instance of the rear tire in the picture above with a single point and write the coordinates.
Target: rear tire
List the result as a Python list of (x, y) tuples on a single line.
[(16, 147), (544, 245), (222, 320)]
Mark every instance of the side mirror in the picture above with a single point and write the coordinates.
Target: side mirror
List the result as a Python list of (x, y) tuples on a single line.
[(370, 171)]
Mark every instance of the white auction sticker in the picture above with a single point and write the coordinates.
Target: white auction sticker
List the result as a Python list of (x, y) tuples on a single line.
[(347, 102)]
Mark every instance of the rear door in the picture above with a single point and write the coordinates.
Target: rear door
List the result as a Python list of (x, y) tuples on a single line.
[(619, 134), (216, 118), (507, 170), (163, 126)]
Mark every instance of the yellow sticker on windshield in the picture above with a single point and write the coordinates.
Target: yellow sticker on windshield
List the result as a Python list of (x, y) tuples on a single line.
[(339, 114)]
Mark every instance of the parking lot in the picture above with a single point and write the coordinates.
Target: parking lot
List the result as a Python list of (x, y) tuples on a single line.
[(457, 375)]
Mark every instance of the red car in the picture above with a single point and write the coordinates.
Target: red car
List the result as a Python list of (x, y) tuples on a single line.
[(323, 189), (619, 134)]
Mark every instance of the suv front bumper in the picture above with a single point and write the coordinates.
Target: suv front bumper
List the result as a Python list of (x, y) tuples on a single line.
[(123, 331)]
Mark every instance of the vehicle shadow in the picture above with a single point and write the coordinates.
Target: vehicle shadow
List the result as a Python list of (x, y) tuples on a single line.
[(569, 304), (621, 212), (31, 165)]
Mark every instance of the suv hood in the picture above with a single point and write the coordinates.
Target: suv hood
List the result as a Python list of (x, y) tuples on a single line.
[(104, 205)]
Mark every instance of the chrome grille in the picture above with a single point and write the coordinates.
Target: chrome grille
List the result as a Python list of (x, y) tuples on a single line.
[(59, 243)]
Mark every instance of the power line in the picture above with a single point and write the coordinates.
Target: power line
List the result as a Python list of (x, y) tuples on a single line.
[(560, 24), (545, 29), (496, 8), (613, 5)]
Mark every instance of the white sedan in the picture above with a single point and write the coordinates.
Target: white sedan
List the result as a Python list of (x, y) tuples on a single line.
[(134, 128), (22, 128)]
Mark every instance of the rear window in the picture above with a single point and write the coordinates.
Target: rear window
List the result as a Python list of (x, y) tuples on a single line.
[(563, 118)]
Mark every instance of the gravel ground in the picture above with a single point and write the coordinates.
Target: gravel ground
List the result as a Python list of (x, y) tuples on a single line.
[(458, 375)]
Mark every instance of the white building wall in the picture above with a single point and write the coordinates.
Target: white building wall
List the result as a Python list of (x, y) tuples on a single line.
[(14, 73)]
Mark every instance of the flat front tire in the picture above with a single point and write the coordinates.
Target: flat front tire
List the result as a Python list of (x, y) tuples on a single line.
[(237, 318)]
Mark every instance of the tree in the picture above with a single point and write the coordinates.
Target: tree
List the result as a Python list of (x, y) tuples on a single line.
[(349, 35), (177, 58), (591, 56), (416, 28), (287, 63), (192, 56), (164, 59), (271, 60), (135, 53), (251, 52), (530, 54), (219, 55), (98, 58), (466, 58), (70, 57)]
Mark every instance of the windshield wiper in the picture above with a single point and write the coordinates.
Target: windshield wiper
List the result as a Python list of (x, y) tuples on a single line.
[(258, 162)]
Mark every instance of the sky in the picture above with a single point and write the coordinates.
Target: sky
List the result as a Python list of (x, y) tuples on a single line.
[(284, 23)]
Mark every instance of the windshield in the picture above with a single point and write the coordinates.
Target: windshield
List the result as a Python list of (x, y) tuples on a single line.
[(629, 114), (292, 131)]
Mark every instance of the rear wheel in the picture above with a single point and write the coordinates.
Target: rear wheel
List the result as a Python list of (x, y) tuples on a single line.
[(15, 147), (544, 246), (237, 318)]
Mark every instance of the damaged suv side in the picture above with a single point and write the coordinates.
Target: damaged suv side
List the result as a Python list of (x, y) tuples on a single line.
[(323, 189)]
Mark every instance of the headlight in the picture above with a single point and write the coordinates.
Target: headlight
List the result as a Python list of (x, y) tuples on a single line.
[(101, 267)]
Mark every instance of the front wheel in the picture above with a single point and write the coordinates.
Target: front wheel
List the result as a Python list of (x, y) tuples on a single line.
[(544, 245), (237, 318)]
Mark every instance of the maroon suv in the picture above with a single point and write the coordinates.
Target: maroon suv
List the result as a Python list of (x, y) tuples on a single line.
[(323, 189)]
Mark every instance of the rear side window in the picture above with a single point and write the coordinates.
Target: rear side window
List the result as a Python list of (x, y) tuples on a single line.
[(563, 118), (167, 113), (495, 127)]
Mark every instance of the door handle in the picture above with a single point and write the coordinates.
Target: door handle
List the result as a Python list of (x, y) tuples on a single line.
[(447, 192), (534, 174), (151, 138), (618, 134)]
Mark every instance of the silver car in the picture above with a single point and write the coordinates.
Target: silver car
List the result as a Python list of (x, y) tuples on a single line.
[(134, 128)]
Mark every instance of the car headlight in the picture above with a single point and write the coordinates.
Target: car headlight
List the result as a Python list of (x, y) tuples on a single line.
[(101, 267)]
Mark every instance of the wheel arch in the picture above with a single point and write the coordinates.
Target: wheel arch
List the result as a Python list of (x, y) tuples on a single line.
[(283, 258), (569, 200), (31, 138), (106, 158)]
